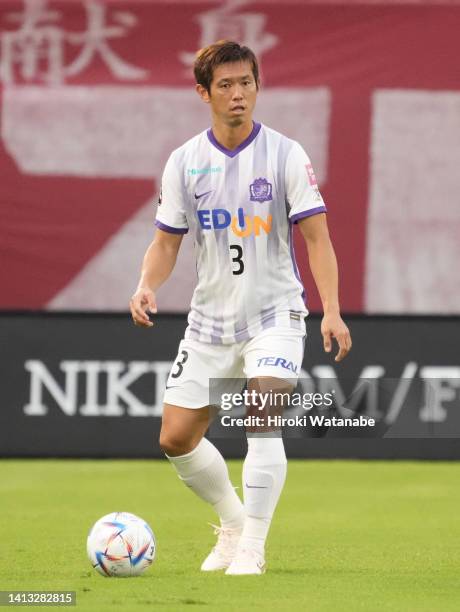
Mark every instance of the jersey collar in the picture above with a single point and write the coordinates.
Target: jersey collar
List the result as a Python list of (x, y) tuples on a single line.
[(231, 153)]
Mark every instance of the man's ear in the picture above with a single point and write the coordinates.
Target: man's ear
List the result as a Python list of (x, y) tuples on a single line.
[(203, 93)]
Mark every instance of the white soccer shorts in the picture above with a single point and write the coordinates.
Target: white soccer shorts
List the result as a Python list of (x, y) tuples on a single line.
[(275, 352)]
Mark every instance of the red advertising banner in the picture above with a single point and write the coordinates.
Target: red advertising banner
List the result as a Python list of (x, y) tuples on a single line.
[(95, 95)]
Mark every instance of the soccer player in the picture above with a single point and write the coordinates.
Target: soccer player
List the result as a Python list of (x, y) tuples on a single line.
[(239, 188)]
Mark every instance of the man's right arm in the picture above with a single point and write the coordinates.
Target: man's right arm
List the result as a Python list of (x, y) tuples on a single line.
[(159, 261)]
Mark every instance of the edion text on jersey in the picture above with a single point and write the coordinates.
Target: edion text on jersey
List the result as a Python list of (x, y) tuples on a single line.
[(241, 225)]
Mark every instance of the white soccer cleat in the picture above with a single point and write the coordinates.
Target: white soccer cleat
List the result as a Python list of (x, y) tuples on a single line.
[(224, 551), (246, 562)]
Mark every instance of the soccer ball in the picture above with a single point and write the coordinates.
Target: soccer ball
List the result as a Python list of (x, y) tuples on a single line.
[(121, 544)]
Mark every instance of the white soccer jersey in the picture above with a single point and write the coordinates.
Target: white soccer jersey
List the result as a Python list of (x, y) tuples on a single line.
[(240, 206)]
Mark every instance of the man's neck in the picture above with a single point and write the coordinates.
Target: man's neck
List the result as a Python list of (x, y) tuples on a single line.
[(231, 137)]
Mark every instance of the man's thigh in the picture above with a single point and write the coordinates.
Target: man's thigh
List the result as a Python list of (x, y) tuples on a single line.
[(198, 363), (275, 353), (273, 361)]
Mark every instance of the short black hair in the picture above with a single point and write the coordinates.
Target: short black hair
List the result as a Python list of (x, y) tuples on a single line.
[(222, 52)]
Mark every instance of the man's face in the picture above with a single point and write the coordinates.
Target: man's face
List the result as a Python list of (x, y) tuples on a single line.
[(233, 93)]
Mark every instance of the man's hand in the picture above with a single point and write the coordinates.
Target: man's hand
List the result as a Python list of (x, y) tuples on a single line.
[(332, 326), (141, 302)]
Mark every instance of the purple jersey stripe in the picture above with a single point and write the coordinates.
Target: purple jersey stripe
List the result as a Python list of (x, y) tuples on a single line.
[(294, 263), (240, 147), (307, 213), (171, 230)]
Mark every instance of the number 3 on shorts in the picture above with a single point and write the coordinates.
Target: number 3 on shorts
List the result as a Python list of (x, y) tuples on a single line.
[(183, 356)]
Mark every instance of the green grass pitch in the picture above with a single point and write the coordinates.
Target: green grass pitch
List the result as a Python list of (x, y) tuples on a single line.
[(348, 535)]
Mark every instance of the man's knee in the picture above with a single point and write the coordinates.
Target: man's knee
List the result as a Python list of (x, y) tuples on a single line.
[(177, 443), (182, 429)]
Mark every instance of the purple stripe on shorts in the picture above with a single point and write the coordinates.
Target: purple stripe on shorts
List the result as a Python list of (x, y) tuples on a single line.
[(307, 213), (171, 230)]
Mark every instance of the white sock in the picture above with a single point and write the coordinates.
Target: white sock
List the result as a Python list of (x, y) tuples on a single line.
[(205, 472), (264, 474)]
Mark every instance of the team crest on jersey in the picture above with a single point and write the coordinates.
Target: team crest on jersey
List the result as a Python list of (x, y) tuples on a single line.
[(261, 190)]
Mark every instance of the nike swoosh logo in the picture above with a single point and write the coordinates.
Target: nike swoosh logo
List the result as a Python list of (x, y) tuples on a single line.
[(255, 487), (201, 195)]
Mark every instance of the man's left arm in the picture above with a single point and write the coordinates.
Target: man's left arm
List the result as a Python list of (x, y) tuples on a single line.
[(323, 265)]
